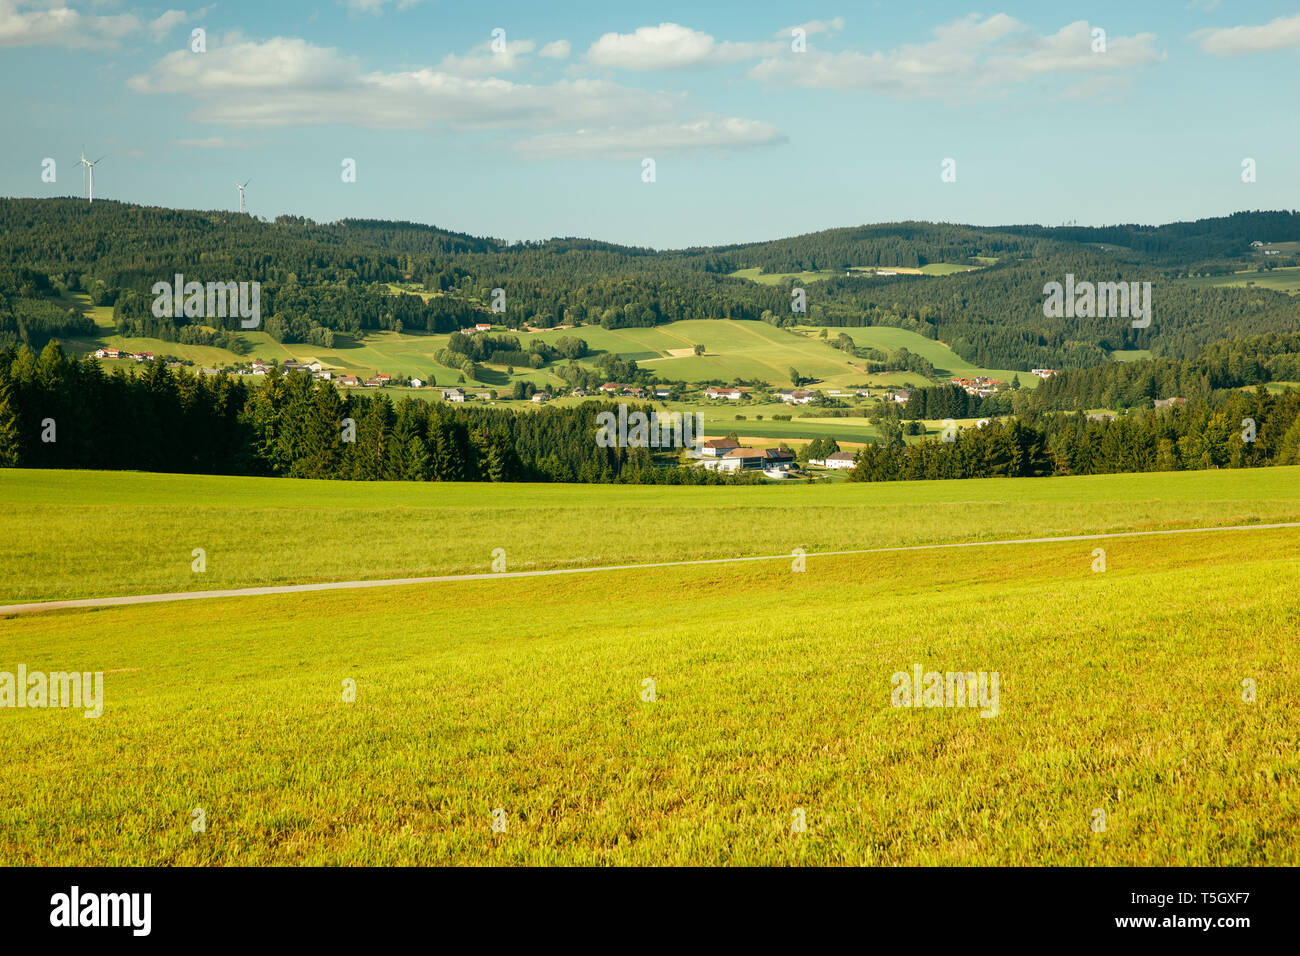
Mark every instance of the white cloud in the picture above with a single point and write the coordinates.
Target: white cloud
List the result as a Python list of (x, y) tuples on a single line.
[(622, 142), (557, 50), (289, 82), (1232, 41), (966, 56), (813, 27), (164, 24), (481, 61), (48, 24), (671, 46), (213, 142)]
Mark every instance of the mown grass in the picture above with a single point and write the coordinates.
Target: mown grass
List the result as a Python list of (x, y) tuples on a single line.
[(1119, 691)]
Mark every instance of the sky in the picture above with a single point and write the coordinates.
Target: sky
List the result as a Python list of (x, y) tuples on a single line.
[(761, 119)]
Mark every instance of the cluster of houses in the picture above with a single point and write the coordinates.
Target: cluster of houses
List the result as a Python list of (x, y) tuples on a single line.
[(631, 391), (106, 353), (981, 386), (1268, 252)]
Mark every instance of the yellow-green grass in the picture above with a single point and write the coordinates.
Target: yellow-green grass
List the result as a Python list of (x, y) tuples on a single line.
[(945, 360), (1281, 279), (84, 534), (1118, 692), (756, 274), (1130, 355)]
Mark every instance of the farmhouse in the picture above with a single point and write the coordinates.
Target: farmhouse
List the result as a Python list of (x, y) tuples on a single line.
[(841, 459), (901, 395), (579, 393), (416, 383), (798, 396), (108, 353), (749, 459), (634, 392), (483, 327), (144, 356), (375, 383), (540, 397), (731, 394), (717, 447), (1044, 373), (609, 388), (453, 395), (349, 381)]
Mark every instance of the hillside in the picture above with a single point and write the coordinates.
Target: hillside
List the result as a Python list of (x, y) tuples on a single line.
[(319, 281)]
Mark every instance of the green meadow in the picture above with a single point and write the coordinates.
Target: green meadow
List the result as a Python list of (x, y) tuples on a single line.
[(945, 361), (528, 701), (1280, 279)]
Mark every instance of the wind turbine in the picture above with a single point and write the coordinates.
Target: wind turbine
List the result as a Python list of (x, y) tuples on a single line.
[(88, 165), (240, 187)]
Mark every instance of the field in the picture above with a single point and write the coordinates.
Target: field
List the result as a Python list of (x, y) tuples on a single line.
[(1281, 279), (1120, 692), (946, 362)]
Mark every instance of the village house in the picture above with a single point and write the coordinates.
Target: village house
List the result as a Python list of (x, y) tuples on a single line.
[(980, 386), (483, 327), (797, 396), (453, 395), (731, 394), (750, 459), (609, 388), (900, 395), (634, 392), (108, 353), (841, 459), (540, 397), (579, 393), (1044, 372), (144, 356), (416, 383), (375, 383), (717, 447), (662, 391), (349, 381), (323, 376)]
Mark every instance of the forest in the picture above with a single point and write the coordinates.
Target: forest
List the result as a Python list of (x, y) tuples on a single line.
[(61, 412), (321, 279)]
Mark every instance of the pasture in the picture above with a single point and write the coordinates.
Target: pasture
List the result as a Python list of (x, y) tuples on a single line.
[(525, 702)]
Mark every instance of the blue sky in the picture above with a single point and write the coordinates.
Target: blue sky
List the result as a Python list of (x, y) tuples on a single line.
[(750, 139)]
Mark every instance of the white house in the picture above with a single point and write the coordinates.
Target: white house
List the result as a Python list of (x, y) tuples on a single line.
[(453, 395), (416, 383), (841, 459), (798, 396), (731, 394), (540, 397)]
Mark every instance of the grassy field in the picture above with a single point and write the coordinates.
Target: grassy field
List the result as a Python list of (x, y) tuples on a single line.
[(1119, 692), (1281, 279), (947, 362)]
